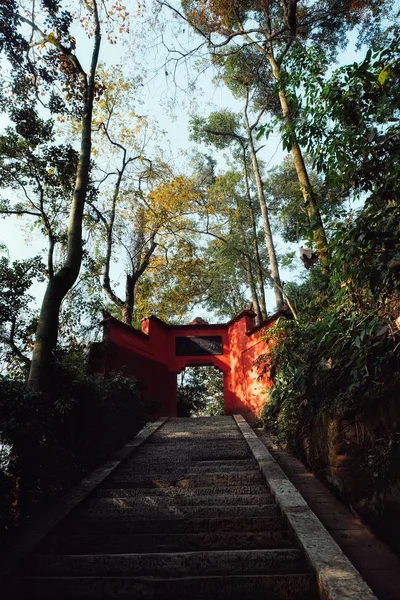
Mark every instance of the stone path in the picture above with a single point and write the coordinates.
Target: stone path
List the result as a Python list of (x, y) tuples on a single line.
[(187, 515), (378, 565), (190, 508)]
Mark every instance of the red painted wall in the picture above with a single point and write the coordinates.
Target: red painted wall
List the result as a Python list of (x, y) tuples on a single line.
[(149, 355)]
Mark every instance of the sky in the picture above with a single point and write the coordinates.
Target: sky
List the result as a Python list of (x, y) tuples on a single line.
[(168, 95)]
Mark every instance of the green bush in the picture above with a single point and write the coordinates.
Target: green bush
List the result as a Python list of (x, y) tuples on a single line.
[(50, 441), (345, 348)]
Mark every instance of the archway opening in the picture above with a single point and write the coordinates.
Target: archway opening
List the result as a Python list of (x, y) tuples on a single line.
[(200, 392)]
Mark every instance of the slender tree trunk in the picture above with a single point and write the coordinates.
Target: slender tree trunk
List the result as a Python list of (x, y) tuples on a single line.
[(249, 271), (265, 218), (260, 275), (64, 279), (132, 278), (253, 291), (129, 304), (109, 242), (314, 215), (261, 286)]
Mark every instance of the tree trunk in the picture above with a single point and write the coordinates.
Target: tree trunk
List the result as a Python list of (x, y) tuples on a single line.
[(129, 304), (64, 279), (109, 242), (314, 215), (260, 275), (253, 291), (265, 218)]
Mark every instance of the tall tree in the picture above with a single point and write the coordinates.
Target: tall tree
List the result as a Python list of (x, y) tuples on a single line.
[(286, 207), (223, 129), (351, 121), (148, 231), (272, 29), (37, 176), (38, 42), (230, 199)]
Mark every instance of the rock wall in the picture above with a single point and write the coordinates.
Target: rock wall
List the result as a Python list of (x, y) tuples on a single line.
[(357, 453)]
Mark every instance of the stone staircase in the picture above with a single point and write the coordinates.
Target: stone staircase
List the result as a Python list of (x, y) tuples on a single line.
[(188, 515)]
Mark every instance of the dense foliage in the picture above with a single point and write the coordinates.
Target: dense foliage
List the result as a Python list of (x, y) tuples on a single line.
[(345, 345), (51, 440), (335, 405), (17, 319), (337, 369), (200, 393)]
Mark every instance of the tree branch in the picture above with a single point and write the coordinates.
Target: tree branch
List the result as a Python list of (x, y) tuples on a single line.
[(14, 349), (19, 212), (249, 257), (51, 39), (146, 260)]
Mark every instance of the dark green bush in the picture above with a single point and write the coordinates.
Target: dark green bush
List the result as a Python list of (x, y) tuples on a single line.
[(345, 347), (51, 440)]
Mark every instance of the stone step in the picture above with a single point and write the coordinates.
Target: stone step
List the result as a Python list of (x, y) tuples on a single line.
[(168, 511), (165, 542), (194, 454), (198, 422), (191, 480), (74, 526), (126, 507), (187, 421), (215, 433), (232, 587), (243, 490), (159, 467), (178, 564), (220, 449), (199, 426), (184, 471), (235, 463), (195, 436)]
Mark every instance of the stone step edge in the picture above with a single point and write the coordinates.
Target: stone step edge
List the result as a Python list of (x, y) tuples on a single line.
[(128, 493), (152, 579), (180, 479), (35, 533), (109, 513), (166, 561), (76, 587), (274, 552), (199, 525), (337, 577), (170, 538)]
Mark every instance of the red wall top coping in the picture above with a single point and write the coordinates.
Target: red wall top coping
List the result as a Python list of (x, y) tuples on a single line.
[(110, 320), (199, 328)]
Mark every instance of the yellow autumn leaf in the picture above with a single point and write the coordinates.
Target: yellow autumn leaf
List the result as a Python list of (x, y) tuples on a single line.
[(384, 75), (52, 38)]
